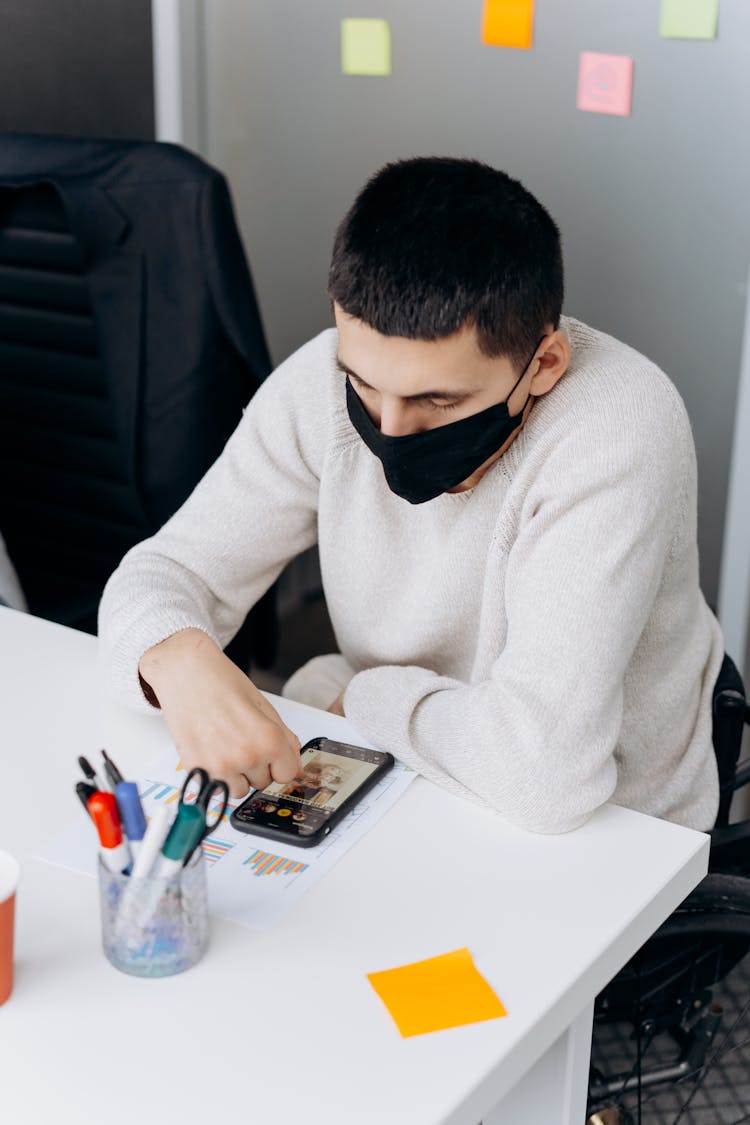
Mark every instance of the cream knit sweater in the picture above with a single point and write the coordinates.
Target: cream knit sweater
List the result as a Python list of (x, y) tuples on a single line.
[(539, 642)]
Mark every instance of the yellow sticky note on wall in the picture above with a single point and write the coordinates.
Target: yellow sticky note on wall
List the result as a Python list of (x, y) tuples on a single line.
[(689, 19), (366, 47), (508, 23), (441, 992)]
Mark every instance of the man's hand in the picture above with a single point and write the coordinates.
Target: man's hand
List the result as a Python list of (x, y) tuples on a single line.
[(217, 717), (337, 707)]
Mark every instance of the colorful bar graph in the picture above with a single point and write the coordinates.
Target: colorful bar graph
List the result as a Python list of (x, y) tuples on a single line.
[(158, 791), (213, 809), (214, 849), (264, 863), (168, 794)]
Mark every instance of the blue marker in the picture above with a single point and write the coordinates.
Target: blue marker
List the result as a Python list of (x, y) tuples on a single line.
[(131, 813)]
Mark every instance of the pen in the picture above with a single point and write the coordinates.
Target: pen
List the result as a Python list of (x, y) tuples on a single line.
[(131, 814), (113, 849), (114, 777), (184, 835), (153, 838), (141, 895), (92, 776), (84, 791)]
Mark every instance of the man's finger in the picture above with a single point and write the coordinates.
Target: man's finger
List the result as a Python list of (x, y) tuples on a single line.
[(239, 785), (271, 713), (259, 777), (286, 765)]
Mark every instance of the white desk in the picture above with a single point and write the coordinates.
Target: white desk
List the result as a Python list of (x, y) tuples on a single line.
[(282, 1025)]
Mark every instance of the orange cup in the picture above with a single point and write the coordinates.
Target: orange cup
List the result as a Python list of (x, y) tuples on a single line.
[(9, 872)]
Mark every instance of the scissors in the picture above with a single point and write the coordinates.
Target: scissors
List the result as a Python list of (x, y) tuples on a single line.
[(200, 799)]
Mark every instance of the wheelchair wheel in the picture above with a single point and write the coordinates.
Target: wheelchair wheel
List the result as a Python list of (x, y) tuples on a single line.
[(672, 1031)]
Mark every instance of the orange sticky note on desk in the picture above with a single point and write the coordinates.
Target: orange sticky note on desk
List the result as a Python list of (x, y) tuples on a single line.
[(445, 991), (508, 23)]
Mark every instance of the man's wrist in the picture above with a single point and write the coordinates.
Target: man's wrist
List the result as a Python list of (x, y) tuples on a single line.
[(157, 662)]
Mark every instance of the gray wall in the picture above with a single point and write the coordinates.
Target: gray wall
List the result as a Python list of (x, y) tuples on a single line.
[(76, 67), (654, 208)]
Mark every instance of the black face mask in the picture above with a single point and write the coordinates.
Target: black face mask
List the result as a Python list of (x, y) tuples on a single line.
[(419, 467)]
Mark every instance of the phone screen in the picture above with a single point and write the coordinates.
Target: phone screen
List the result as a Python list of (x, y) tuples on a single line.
[(331, 774)]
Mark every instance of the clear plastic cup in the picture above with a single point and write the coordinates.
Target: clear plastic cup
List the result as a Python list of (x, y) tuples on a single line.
[(154, 927)]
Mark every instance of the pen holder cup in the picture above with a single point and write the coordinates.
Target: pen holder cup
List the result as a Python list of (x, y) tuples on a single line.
[(155, 927)]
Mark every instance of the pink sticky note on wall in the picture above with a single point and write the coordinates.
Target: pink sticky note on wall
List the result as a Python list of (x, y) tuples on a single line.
[(605, 83)]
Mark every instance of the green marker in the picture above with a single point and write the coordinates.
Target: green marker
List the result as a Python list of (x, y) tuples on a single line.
[(184, 836)]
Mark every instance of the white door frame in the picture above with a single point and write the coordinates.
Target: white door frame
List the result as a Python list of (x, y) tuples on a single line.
[(734, 581), (178, 34)]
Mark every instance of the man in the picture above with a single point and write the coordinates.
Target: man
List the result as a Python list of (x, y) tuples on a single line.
[(504, 504)]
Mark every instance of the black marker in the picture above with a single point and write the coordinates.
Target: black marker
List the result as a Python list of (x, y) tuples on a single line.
[(92, 776), (114, 777), (84, 791)]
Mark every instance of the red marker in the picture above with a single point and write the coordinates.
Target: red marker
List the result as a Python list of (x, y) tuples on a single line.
[(114, 850)]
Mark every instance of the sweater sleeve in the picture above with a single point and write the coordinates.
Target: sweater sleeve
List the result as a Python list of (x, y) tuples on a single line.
[(536, 740), (251, 513)]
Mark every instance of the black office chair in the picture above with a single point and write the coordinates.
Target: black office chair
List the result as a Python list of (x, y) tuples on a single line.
[(130, 343), (666, 990)]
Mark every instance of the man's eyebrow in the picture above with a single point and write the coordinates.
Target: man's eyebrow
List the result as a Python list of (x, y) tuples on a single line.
[(453, 396)]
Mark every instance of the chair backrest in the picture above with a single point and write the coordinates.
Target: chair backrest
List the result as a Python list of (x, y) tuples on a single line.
[(68, 508), (130, 343), (728, 725)]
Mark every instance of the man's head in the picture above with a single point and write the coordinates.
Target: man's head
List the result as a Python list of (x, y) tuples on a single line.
[(446, 283), (435, 244)]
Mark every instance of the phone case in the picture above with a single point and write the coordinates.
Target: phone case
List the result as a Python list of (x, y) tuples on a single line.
[(318, 836)]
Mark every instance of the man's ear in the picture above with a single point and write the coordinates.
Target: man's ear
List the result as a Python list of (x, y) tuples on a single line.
[(552, 360)]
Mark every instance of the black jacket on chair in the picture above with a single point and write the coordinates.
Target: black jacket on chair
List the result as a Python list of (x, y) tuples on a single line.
[(130, 342)]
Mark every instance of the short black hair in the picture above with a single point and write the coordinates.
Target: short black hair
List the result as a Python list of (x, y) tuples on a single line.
[(435, 243)]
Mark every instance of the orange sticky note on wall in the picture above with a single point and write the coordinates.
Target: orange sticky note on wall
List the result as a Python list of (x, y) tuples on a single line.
[(441, 992), (508, 23)]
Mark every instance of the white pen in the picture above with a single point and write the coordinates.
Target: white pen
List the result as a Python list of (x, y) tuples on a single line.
[(141, 894), (152, 841)]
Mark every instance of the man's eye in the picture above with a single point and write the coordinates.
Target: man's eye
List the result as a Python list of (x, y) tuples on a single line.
[(363, 387)]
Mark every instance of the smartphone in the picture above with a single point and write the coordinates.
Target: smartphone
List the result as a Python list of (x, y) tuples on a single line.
[(333, 778)]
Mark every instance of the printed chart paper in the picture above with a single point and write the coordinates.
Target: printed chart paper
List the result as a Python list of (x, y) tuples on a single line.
[(251, 880), (605, 83)]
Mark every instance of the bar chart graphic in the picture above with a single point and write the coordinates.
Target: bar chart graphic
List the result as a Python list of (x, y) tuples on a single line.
[(214, 849), (158, 791), (167, 795), (213, 809), (264, 863)]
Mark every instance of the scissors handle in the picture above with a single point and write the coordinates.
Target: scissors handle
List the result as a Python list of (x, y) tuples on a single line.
[(200, 773), (209, 789), (215, 788)]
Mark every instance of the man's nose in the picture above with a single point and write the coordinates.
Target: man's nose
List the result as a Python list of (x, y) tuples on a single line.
[(396, 419)]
